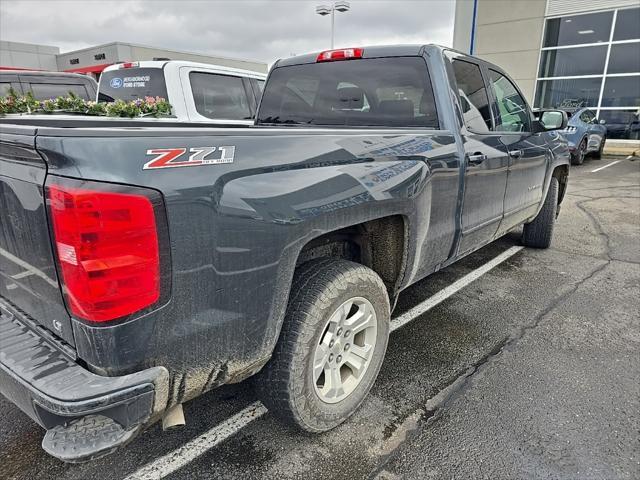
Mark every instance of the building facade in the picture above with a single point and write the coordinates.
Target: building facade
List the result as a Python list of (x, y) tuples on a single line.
[(28, 56), (562, 53), (93, 60)]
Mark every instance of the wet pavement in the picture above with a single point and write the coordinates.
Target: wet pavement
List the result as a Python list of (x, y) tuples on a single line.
[(532, 371)]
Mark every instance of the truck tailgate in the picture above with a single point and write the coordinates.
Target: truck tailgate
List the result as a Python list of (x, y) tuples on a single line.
[(28, 278)]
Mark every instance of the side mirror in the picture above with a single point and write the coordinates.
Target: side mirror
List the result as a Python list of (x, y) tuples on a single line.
[(554, 119), (602, 121)]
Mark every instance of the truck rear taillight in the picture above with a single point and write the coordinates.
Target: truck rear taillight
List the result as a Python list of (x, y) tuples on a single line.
[(341, 54), (106, 241)]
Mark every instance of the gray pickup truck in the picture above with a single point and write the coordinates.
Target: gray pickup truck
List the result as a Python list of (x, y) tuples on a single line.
[(141, 266)]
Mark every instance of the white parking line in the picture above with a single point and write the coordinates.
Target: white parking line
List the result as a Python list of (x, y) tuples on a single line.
[(18, 276), (445, 293), (191, 450), (606, 166), (28, 267)]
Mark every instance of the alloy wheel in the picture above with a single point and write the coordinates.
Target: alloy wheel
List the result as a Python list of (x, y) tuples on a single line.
[(344, 351), (583, 150)]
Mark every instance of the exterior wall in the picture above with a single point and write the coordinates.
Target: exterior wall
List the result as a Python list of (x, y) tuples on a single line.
[(563, 7), (463, 25), (148, 53), (28, 55), (509, 34), (124, 52), (87, 57)]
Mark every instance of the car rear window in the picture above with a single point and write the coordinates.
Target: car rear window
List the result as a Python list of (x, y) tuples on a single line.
[(131, 84), (45, 91), (221, 97), (377, 92)]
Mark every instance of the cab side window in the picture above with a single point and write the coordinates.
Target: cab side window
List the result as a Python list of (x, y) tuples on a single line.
[(220, 96), (473, 96), (512, 111)]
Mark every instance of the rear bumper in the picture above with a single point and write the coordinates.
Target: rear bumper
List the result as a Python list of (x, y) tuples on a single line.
[(55, 391)]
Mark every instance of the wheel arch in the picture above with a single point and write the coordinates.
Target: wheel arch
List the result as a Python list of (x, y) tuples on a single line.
[(561, 173), (380, 244)]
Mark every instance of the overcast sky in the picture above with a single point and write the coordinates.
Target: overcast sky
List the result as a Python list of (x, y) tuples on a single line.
[(253, 29)]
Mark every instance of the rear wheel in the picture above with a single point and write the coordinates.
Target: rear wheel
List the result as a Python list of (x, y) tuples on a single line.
[(539, 232), (577, 157), (331, 346), (598, 153)]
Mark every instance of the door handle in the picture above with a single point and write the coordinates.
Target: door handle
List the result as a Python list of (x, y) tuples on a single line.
[(516, 153), (477, 158)]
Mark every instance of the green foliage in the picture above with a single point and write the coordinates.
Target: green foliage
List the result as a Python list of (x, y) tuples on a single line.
[(14, 103), (149, 106)]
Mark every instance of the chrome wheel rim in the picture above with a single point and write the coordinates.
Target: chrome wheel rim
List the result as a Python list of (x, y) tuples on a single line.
[(344, 352)]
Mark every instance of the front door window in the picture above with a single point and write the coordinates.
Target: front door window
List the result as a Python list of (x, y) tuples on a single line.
[(513, 113)]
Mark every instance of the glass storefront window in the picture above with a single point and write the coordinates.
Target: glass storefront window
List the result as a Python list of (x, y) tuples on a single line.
[(573, 61), (627, 24), (624, 58), (593, 60), (622, 124), (568, 93), (578, 29), (621, 92)]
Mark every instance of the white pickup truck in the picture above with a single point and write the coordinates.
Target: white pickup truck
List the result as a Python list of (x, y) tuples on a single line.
[(197, 92)]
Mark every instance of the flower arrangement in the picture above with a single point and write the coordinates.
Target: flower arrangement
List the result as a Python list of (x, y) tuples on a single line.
[(149, 106)]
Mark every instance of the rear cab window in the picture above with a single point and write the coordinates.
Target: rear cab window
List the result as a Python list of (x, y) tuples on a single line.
[(5, 87), (375, 92), (46, 91), (132, 84)]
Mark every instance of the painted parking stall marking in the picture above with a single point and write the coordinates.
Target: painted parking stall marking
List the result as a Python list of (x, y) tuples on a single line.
[(606, 166), (445, 293), (193, 449)]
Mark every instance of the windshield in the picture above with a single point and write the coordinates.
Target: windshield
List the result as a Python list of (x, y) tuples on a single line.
[(131, 84), (393, 92)]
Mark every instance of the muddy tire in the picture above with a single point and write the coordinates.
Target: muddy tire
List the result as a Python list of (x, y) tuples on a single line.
[(539, 232), (331, 346)]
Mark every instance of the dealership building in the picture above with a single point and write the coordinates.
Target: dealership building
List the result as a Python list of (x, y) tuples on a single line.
[(93, 60), (562, 53)]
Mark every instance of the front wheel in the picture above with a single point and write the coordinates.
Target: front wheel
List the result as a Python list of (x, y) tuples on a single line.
[(539, 232), (331, 347)]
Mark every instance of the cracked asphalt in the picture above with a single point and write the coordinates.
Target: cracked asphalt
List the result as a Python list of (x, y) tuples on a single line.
[(532, 371)]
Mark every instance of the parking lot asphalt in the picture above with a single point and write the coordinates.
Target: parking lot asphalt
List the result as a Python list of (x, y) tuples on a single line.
[(530, 371)]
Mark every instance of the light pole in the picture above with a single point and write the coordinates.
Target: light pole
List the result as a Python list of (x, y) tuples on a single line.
[(336, 7)]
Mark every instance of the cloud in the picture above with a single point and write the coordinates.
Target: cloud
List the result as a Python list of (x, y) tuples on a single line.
[(262, 30)]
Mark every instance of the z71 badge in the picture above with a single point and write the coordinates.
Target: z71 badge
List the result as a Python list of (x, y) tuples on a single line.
[(174, 157)]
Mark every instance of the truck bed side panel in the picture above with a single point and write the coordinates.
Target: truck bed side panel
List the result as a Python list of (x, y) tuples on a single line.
[(236, 230)]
